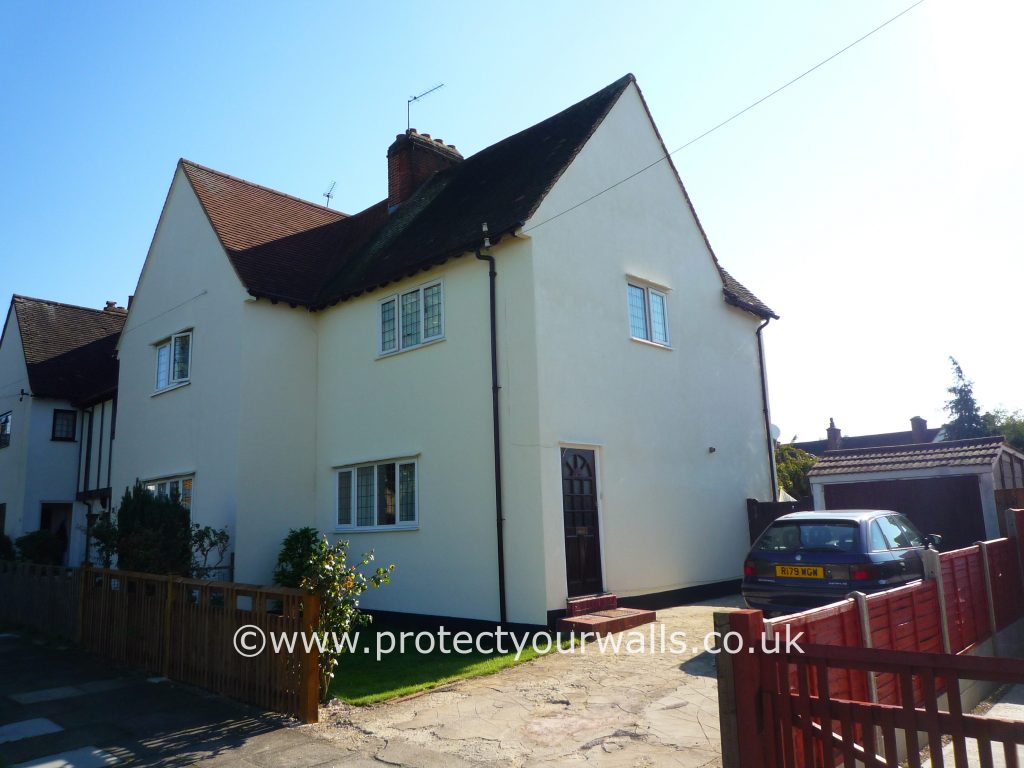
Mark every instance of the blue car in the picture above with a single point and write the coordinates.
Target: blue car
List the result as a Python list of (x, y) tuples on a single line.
[(809, 559)]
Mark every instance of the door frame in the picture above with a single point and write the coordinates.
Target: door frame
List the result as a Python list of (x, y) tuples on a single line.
[(599, 496)]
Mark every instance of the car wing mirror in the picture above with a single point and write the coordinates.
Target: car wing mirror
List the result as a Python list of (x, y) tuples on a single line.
[(932, 540)]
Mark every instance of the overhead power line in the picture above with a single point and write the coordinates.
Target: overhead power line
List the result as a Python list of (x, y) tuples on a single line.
[(728, 120)]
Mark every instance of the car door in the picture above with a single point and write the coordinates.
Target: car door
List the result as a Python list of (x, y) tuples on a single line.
[(906, 562), (881, 554)]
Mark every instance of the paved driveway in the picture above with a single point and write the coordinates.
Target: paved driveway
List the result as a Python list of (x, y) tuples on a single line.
[(657, 709), (59, 707)]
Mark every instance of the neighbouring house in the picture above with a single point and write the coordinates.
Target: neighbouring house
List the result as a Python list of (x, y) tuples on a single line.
[(57, 418), (514, 397), (919, 432), (957, 488)]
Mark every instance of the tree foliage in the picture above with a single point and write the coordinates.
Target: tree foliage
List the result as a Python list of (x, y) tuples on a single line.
[(1009, 424), (965, 415), (338, 583), (42, 547), (792, 465)]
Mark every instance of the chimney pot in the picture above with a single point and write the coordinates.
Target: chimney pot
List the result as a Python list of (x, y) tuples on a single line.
[(835, 436)]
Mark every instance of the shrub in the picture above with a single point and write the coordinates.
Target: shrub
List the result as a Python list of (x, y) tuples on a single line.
[(42, 547), (205, 541), (339, 586), (153, 533), (6, 547), (296, 556)]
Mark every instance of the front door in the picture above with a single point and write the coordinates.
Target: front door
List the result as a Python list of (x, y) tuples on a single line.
[(579, 509)]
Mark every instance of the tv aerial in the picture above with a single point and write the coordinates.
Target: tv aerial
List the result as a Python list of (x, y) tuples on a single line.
[(329, 194), (409, 103)]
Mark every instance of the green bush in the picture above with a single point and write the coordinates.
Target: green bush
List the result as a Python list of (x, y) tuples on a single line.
[(6, 547), (40, 547), (296, 555), (153, 533)]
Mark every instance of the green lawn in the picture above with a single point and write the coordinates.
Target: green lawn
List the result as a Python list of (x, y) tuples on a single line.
[(361, 679)]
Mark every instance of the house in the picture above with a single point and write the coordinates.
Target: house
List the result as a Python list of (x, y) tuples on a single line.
[(919, 432), (57, 411), (514, 395), (956, 488)]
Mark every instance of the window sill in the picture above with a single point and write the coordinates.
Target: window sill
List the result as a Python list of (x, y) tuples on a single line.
[(647, 343), (382, 355), (376, 528), (171, 388)]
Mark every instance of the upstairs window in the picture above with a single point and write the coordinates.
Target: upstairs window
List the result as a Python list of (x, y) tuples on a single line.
[(380, 495), (648, 316), (64, 423), (174, 361), (5, 429), (411, 319)]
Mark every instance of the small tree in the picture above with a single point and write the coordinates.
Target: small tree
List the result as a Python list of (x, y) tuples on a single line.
[(965, 416), (153, 533), (208, 541), (793, 464), (339, 586), (41, 547), (295, 557), (1009, 424)]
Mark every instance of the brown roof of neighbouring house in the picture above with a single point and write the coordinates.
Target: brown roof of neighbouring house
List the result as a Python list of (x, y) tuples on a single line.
[(880, 440), (69, 350), (979, 451), (288, 250)]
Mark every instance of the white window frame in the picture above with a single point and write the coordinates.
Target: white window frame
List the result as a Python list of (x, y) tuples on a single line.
[(5, 434), (172, 382), (154, 486), (397, 299), (399, 525), (648, 289)]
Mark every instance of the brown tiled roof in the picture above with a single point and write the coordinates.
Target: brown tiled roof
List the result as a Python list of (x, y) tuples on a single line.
[(881, 440), (69, 350), (979, 451), (288, 250)]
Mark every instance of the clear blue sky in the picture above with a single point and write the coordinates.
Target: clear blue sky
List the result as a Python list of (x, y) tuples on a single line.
[(875, 205)]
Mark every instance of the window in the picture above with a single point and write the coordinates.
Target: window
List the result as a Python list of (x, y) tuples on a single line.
[(174, 361), (380, 495), (411, 319), (809, 536), (648, 318), (180, 487), (63, 425), (5, 429)]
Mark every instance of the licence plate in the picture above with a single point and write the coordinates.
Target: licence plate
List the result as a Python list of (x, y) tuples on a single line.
[(800, 571)]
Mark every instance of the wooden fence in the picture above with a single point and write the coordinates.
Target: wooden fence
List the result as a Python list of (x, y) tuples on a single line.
[(790, 716), (180, 628)]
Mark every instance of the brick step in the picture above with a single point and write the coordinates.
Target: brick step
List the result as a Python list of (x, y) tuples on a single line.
[(608, 621), (577, 606)]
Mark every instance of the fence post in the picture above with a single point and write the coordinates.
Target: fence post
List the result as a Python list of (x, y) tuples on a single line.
[(986, 566), (168, 625), (309, 683), (83, 576), (933, 570), (865, 638), (739, 690)]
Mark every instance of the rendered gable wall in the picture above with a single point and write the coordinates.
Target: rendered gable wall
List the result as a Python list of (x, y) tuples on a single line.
[(186, 283), (672, 514), (13, 459)]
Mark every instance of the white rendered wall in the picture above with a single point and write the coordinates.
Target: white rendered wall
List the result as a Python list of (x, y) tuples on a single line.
[(672, 514), (13, 458), (187, 283)]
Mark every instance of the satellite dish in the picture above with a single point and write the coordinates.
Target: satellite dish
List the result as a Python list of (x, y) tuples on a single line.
[(775, 432)]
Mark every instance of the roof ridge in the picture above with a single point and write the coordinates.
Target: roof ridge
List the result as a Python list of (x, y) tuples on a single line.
[(966, 442), (208, 169), (52, 302)]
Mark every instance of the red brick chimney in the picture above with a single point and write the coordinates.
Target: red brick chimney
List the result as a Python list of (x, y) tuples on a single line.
[(412, 159), (919, 427), (835, 436)]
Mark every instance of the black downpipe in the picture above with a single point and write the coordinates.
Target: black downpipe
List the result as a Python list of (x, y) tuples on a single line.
[(499, 518), (767, 418)]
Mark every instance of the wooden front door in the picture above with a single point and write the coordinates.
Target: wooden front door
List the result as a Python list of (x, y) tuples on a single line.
[(579, 509)]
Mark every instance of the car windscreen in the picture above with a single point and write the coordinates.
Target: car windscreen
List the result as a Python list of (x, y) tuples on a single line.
[(810, 536)]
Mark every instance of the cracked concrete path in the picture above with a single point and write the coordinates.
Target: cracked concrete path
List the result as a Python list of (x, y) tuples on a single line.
[(625, 709)]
